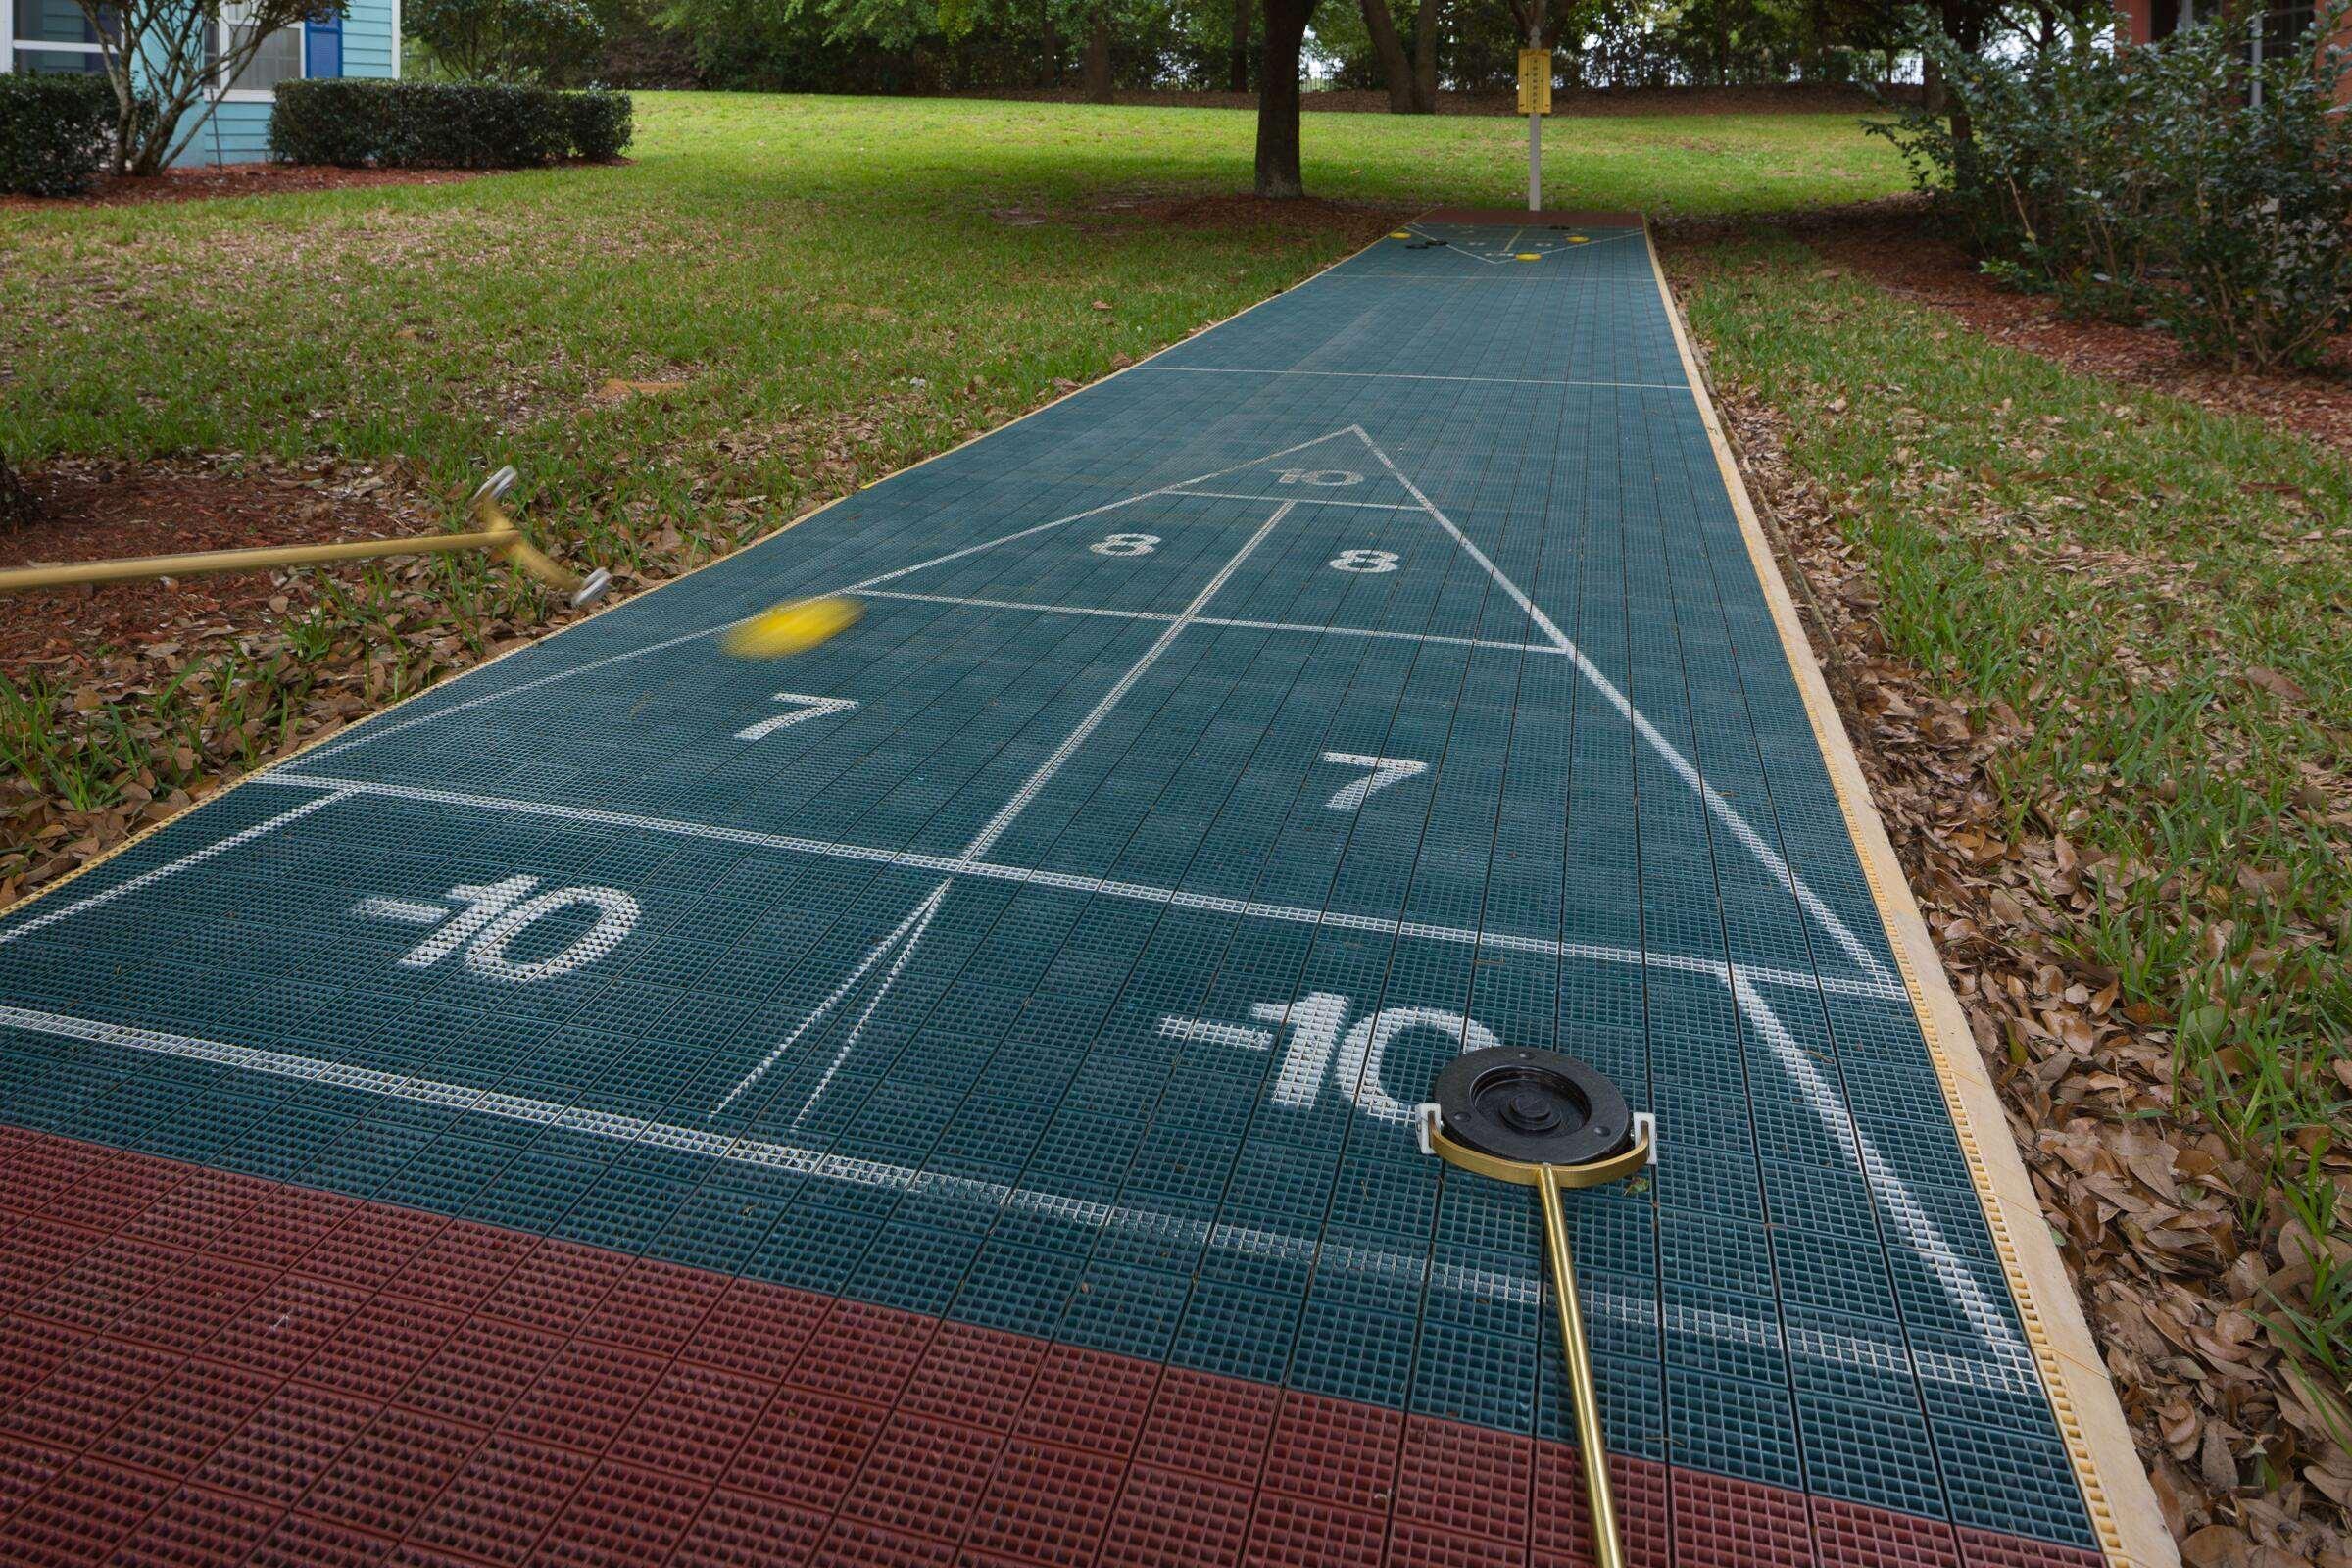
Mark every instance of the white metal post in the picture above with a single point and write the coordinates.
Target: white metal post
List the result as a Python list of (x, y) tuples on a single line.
[(1535, 163)]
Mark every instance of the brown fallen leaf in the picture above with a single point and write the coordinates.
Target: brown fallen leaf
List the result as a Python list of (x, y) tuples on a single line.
[(617, 389), (2278, 685)]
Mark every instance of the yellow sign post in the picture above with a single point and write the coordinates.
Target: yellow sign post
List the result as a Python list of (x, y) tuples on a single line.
[(1534, 102), (1535, 82)]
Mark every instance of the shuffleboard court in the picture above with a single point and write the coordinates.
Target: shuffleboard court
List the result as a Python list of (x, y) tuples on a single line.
[(945, 1096)]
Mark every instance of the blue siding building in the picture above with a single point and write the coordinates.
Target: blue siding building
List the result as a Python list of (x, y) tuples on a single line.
[(55, 35)]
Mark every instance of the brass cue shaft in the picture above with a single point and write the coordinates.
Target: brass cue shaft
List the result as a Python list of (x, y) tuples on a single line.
[(1601, 1501), (200, 562)]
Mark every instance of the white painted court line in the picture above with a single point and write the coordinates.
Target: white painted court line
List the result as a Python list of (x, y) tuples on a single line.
[(1684, 769), (1075, 882), (1372, 631), (1012, 603), (1402, 375), (146, 879), (1407, 1270), (1091, 512), (997, 825), (1236, 495), (907, 938), (1309, 627), (1917, 1226)]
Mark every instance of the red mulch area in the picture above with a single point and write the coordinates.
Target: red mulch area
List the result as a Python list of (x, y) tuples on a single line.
[(97, 511), (243, 179), (1790, 100), (1896, 255)]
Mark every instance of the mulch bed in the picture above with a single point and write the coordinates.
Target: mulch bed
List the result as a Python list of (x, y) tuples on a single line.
[(91, 511), (1302, 219), (1897, 252), (248, 179)]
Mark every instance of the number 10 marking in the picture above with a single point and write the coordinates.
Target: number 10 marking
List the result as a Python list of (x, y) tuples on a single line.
[(493, 919), (1385, 771)]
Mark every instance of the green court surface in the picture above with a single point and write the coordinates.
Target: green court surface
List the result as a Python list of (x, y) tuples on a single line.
[(1056, 955)]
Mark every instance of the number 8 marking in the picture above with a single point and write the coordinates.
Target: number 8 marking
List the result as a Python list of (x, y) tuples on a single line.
[(1365, 561), (1126, 543)]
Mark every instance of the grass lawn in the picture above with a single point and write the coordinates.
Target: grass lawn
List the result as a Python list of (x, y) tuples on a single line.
[(2141, 605)]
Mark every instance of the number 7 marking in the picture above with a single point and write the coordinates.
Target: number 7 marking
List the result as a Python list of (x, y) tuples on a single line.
[(810, 708), (1385, 771)]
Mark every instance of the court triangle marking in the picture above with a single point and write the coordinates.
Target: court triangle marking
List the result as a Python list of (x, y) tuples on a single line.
[(904, 939), (1317, 472), (1172, 487), (1742, 831)]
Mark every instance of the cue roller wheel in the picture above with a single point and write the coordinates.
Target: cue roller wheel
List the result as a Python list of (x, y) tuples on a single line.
[(1542, 1119)]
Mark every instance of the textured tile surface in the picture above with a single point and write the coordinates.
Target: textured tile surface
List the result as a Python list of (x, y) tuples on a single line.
[(1026, 988)]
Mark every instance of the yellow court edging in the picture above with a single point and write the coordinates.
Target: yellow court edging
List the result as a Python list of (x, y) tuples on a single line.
[(2116, 1491)]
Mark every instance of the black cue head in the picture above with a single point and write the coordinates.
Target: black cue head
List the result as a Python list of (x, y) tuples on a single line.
[(1534, 1108)]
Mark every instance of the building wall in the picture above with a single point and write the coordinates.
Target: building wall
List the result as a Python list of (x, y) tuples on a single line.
[(240, 131)]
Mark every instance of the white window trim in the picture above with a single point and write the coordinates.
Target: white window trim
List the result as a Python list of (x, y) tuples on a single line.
[(253, 96), (8, 47)]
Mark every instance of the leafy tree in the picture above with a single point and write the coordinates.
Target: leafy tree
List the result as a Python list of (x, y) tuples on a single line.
[(506, 41), (163, 59)]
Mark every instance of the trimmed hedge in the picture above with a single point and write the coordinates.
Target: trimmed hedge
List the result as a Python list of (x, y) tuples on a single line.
[(419, 124), (55, 133)]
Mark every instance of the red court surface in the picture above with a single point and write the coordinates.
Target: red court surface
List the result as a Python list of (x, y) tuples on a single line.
[(200, 1367)]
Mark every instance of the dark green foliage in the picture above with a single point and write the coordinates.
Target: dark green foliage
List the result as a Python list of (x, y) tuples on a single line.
[(54, 133), (2173, 182), (410, 124), (534, 41), (1635, 43), (602, 123)]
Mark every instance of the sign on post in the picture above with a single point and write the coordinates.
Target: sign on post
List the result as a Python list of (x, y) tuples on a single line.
[(1535, 82)]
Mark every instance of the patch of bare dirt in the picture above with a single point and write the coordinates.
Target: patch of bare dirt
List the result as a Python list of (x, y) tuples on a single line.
[(1301, 219), (2171, 1287), (1904, 257), (1782, 100), (97, 510)]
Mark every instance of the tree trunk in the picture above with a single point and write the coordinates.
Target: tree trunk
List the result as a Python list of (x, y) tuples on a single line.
[(16, 502), (1097, 58), (1963, 23), (1238, 63), (1425, 59), (1052, 51), (1278, 99), (1395, 70)]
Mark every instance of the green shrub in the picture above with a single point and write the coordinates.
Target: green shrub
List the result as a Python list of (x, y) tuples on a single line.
[(2260, 184), (413, 125), (328, 121), (2170, 182), (56, 133), (602, 123), (520, 41)]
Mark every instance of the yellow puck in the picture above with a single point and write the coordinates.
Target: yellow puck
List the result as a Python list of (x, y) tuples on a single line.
[(1579, 239), (790, 628), (1401, 235), (1530, 256)]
